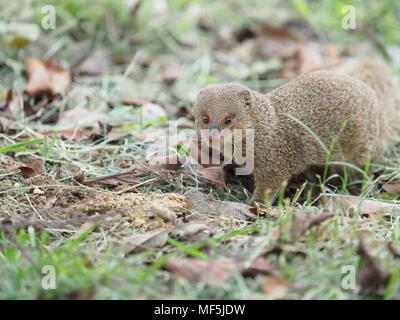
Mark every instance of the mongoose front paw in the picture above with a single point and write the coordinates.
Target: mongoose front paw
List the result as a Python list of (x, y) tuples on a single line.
[(256, 201)]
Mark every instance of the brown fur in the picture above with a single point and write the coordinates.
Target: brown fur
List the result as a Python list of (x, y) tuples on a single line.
[(360, 94)]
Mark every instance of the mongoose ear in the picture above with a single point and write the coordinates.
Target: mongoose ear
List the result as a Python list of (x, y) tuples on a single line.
[(245, 96)]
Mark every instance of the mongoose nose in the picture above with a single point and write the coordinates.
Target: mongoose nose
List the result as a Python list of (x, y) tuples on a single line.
[(212, 134)]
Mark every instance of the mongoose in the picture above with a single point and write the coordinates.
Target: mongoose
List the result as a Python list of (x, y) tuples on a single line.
[(295, 124)]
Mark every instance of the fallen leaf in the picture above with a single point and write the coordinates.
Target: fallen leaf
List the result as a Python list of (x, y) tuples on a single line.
[(147, 241), (82, 116), (190, 231), (116, 179), (392, 187), (78, 134), (35, 167), (212, 273), (5, 124), (152, 112), (135, 101), (287, 248), (171, 73), (46, 78), (203, 203), (366, 207), (149, 135), (332, 55), (302, 222), (304, 60), (372, 276), (23, 222), (276, 42), (183, 112), (275, 286), (173, 161), (97, 63), (259, 266), (214, 175)]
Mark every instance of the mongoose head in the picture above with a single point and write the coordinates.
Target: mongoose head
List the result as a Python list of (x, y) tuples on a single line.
[(222, 108)]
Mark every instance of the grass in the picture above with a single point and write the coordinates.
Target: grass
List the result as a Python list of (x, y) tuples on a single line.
[(111, 275), (19, 146), (87, 264)]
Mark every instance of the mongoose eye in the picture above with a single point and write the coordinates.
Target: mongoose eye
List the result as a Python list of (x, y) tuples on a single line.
[(206, 119), (228, 121)]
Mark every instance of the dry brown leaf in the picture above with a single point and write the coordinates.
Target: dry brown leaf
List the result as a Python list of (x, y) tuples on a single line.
[(172, 162), (214, 175), (35, 167), (82, 116), (372, 276), (142, 242), (22, 222), (78, 134), (275, 286), (8, 225), (302, 222), (276, 42), (46, 78), (5, 124), (212, 273), (152, 112), (259, 266), (190, 231), (171, 73), (135, 101), (366, 207), (203, 203), (116, 179), (392, 187), (149, 134), (287, 248), (97, 63), (304, 60), (332, 55)]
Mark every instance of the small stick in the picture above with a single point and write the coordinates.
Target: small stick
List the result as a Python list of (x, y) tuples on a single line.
[(30, 203), (135, 186)]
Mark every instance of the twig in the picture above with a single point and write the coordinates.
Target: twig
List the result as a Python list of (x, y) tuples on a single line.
[(375, 40), (30, 203), (135, 186)]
